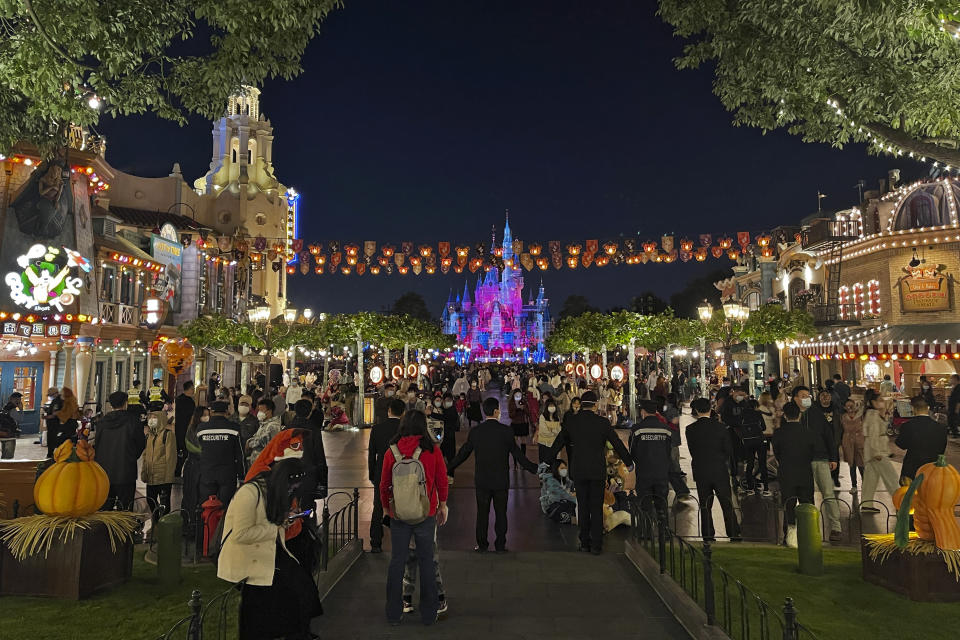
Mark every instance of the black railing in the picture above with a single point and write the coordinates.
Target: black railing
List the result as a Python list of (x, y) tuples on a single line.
[(339, 529), (217, 620), (727, 602)]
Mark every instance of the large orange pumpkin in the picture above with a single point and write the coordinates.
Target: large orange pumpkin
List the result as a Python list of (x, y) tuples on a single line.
[(74, 486), (938, 494)]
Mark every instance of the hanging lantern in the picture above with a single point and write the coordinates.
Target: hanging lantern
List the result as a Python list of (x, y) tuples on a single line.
[(587, 259), (716, 251), (446, 262), (463, 252), (498, 252), (351, 259), (352, 250), (610, 248), (388, 250), (375, 269), (733, 254), (291, 270), (335, 258), (458, 268), (383, 260), (649, 247), (315, 249), (426, 250), (536, 249), (669, 257), (403, 270), (686, 245), (766, 252), (763, 241), (320, 259), (572, 262), (431, 270), (345, 270), (543, 263), (318, 269), (415, 261), (602, 261), (725, 243), (667, 243), (685, 256), (573, 249)]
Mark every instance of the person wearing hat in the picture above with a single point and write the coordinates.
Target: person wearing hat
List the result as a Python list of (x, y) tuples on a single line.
[(245, 419), (221, 455), (588, 433)]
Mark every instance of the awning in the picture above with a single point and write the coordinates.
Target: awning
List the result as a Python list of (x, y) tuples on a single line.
[(916, 340)]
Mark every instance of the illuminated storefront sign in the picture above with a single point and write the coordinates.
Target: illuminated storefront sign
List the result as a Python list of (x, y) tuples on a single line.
[(49, 279), (35, 329), (153, 312), (925, 289), (292, 224)]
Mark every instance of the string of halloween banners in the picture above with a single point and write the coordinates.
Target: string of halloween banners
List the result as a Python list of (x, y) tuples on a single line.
[(346, 258)]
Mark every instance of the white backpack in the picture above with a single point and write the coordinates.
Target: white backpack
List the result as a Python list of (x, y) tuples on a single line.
[(409, 498)]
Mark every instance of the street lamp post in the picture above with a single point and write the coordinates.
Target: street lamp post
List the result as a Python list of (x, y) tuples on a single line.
[(732, 312), (269, 330)]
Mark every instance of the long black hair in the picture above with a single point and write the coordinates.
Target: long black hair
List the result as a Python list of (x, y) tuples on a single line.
[(414, 423), (282, 483), (868, 397)]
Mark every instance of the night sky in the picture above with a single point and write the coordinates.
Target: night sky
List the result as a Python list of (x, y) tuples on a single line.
[(425, 120)]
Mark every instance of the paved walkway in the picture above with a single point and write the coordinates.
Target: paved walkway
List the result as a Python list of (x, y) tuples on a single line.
[(526, 595)]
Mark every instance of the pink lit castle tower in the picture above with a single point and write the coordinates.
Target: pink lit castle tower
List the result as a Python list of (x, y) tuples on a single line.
[(496, 324)]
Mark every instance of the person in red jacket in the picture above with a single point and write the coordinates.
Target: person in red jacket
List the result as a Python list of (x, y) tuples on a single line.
[(412, 433)]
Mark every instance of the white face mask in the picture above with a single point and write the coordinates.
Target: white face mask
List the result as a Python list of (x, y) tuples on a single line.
[(437, 403), (517, 397), (243, 409), (261, 415), (389, 393), (551, 409), (448, 404), (205, 419), (152, 422), (562, 473), (806, 402), (473, 385)]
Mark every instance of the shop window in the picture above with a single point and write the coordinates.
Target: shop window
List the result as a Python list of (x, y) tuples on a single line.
[(109, 284), (843, 301), (873, 298), (25, 383), (858, 300)]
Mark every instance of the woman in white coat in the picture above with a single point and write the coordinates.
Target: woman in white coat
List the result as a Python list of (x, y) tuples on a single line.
[(876, 451), (279, 597)]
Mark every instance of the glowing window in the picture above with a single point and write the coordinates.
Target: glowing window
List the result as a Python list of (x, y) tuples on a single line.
[(843, 301), (873, 297), (858, 300)]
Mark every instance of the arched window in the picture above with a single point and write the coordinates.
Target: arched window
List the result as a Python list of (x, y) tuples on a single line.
[(858, 300), (752, 300), (843, 302), (873, 298)]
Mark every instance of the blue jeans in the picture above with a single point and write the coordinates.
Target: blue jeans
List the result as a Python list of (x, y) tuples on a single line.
[(400, 535)]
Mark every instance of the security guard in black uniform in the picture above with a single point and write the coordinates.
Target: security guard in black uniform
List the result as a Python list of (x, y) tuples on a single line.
[(651, 442), (794, 447), (221, 455), (587, 434), (711, 449)]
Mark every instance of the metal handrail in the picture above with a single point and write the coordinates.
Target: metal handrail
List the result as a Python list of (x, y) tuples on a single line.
[(340, 528), (743, 614)]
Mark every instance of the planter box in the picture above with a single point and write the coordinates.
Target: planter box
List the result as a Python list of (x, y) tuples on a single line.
[(16, 486), (75, 569), (923, 578)]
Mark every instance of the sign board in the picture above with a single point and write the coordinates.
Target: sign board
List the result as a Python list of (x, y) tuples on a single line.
[(746, 356), (170, 254), (396, 371), (37, 329), (568, 368), (48, 278), (580, 369), (925, 289), (616, 372), (596, 371), (411, 370), (424, 369), (376, 374)]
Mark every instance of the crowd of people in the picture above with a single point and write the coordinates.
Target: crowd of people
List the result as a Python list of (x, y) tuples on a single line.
[(252, 465)]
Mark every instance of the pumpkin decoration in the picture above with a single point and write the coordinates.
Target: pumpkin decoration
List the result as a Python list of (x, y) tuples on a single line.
[(938, 494), (176, 356), (74, 485)]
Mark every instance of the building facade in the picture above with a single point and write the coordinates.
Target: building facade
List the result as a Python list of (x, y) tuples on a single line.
[(494, 323)]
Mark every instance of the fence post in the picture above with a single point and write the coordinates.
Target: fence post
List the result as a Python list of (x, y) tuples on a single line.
[(709, 603), (195, 629), (790, 631), (325, 539), (662, 543), (356, 512)]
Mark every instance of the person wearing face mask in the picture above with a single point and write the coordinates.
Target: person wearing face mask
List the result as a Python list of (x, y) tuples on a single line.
[(557, 500), (851, 442), (120, 441), (548, 428), (826, 456), (269, 427), (221, 455), (159, 463), (245, 419), (876, 451), (517, 412), (414, 401), (829, 413), (474, 397), (382, 402)]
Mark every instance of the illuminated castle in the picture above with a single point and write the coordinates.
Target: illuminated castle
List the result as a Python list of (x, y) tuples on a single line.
[(495, 324)]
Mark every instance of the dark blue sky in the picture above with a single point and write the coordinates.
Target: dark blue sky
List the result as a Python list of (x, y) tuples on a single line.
[(425, 120)]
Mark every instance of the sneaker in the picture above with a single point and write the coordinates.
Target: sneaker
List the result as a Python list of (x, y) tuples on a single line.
[(407, 606), (836, 536), (443, 605)]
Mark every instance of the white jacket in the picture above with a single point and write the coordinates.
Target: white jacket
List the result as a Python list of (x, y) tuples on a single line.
[(249, 542), (875, 439), (547, 431)]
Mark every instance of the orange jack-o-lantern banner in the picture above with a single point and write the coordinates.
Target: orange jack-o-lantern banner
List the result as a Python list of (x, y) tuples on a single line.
[(334, 257)]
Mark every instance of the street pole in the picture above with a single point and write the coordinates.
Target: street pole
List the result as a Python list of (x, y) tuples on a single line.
[(704, 384), (604, 361), (360, 383), (632, 376)]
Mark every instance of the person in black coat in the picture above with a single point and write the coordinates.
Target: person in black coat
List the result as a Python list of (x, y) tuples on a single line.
[(953, 406), (711, 450), (184, 407), (586, 435), (828, 413), (651, 442), (795, 448), (380, 436), (221, 455), (120, 442), (923, 438), (451, 424), (492, 442), (314, 483)]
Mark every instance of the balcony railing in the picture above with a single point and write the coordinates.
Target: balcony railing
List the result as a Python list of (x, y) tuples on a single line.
[(827, 231), (841, 314), (117, 313)]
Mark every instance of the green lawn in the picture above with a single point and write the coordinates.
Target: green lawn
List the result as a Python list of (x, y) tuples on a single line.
[(138, 610), (838, 605)]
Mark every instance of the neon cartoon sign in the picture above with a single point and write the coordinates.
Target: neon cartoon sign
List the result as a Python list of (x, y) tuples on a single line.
[(48, 279)]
